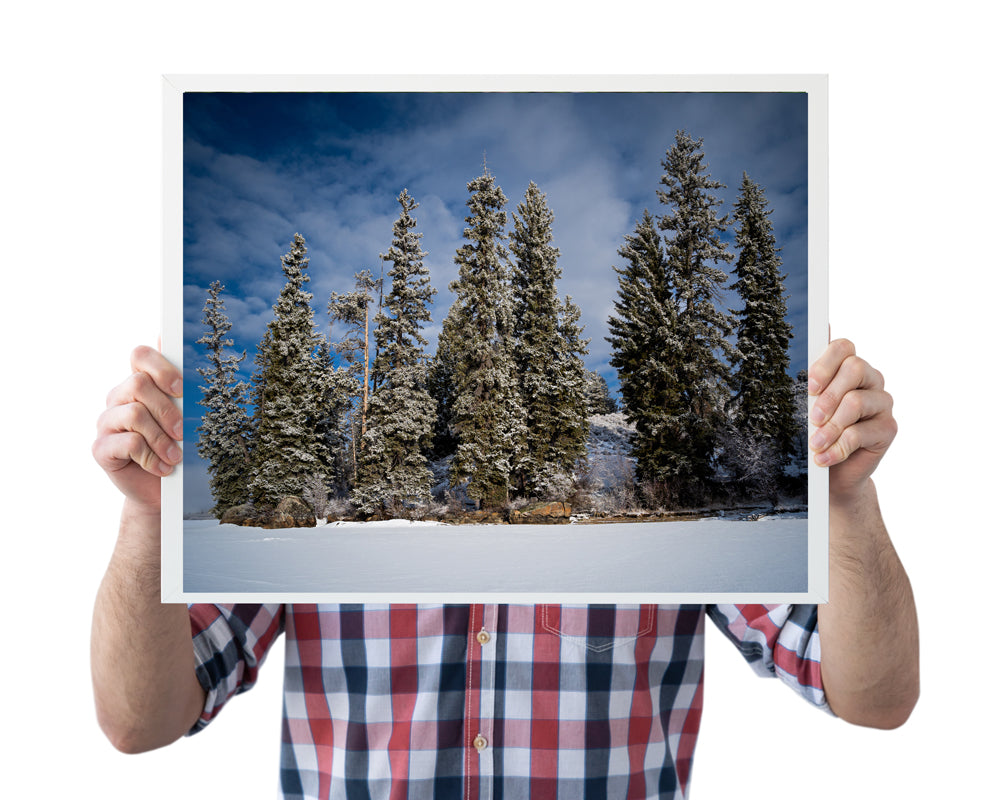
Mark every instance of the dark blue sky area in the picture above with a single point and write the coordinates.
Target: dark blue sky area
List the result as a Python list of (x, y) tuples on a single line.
[(259, 167)]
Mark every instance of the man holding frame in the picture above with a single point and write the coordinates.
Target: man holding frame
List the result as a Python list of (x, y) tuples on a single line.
[(604, 699)]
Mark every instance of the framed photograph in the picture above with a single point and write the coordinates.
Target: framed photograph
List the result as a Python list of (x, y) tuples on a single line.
[(495, 339)]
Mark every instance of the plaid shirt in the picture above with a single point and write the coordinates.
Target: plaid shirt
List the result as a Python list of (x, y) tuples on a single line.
[(492, 701)]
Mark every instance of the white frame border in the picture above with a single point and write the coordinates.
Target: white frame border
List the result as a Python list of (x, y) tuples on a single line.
[(174, 86)]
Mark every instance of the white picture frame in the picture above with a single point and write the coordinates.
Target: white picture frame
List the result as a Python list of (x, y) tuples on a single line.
[(174, 88)]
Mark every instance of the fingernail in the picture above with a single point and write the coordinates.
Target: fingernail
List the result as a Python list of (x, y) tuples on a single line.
[(813, 386), (174, 453), (165, 469), (824, 458), (817, 441), (817, 415), (179, 430), (177, 387)]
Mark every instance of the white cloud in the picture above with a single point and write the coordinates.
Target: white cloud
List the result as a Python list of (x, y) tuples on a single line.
[(598, 165)]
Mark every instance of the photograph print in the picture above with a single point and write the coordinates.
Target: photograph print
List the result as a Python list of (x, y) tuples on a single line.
[(447, 344)]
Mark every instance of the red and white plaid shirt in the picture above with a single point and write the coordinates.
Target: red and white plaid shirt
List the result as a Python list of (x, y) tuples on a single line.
[(492, 702)]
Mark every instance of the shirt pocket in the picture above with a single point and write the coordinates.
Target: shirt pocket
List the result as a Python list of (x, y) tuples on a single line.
[(598, 628)]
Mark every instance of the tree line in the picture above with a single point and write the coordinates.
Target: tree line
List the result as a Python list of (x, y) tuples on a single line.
[(702, 404), (506, 396)]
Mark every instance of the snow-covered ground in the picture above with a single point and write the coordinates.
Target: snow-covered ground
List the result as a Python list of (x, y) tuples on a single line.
[(699, 556)]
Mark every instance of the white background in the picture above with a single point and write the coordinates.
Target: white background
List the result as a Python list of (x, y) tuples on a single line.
[(913, 265)]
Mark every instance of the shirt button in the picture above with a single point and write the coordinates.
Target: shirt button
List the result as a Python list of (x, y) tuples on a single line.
[(479, 743), (483, 636)]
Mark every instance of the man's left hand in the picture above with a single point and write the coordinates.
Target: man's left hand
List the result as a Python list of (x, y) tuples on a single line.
[(853, 416)]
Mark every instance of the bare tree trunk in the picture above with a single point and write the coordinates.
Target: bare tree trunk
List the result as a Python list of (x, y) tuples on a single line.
[(364, 388)]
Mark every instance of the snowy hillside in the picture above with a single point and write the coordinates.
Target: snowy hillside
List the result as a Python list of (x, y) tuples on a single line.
[(608, 459), (608, 450)]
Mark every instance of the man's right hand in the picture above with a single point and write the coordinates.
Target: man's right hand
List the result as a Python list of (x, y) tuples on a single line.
[(145, 687), (138, 432)]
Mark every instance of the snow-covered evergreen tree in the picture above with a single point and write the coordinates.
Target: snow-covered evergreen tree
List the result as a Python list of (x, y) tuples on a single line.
[(800, 442), (547, 352), (568, 450), (393, 469), (287, 442), (645, 353), (223, 436), (487, 418), (694, 249), (441, 384), (599, 397), (764, 400)]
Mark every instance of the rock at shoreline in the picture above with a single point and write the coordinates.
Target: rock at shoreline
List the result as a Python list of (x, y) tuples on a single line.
[(291, 512), (542, 513), (238, 515)]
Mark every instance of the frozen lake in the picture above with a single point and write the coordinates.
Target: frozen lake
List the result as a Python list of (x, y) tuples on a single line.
[(697, 556)]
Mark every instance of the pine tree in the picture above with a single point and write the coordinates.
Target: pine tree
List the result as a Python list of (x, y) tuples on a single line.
[(223, 436), (599, 398), (645, 353), (764, 398), (762, 432), (441, 385), (393, 470), (800, 443), (571, 430), (287, 442), (547, 352), (693, 249), (487, 417)]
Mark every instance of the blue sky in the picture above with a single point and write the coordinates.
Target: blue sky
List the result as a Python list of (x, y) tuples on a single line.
[(260, 167)]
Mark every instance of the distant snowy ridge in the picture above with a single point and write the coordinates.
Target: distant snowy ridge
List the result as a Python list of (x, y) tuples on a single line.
[(609, 450)]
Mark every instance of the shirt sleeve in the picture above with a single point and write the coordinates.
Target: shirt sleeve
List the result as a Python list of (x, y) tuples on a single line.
[(777, 641), (230, 644)]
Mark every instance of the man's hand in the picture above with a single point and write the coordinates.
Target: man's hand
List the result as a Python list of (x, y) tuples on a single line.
[(868, 629), (853, 415), (145, 688), (137, 434)]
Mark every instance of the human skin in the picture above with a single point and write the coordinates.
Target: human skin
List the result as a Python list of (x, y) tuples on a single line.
[(868, 629), (145, 687)]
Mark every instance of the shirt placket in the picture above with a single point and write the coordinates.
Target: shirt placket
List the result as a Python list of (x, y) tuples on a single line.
[(480, 702)]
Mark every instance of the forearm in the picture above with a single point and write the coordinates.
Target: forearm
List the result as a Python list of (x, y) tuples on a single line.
[(142, 659), (868, 630)]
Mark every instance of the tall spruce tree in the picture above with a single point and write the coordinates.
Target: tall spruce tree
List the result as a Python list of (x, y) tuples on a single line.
[(441, 385), (547, 352), (487, 417), (571, 428), (287, 438), (694, 249), (763, 405), (599, 398), (223, 436), (393, 469), (646, 353)]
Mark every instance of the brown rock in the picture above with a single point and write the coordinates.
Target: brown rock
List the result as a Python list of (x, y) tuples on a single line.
[(238, 515), (485, 517), (292, 512), (542, 513)]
